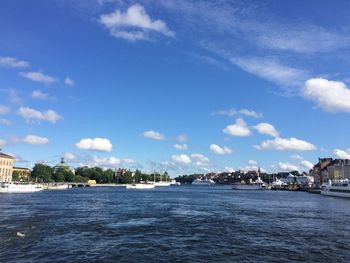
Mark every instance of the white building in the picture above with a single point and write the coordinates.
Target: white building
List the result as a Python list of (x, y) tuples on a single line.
[(6, 167)]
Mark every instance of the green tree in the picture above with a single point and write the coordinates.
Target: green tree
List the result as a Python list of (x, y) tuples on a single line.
[(16, 176), (42, 172)]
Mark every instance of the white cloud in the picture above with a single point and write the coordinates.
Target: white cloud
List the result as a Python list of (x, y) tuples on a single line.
[(229, 169), (289, 144), (332, 96), (266, 128), (271, 70), (220, 150), (153, 135), (133, 25), (181, 159), (285, 167), (69, 82), (69, 156), (11, 62), (250, 113), (253, 162), (306, 165), (5, 121), (4, 109), (36, 140), (128, 161), (38, 77), (106, 162), (181, 147), (96, 144), (182, 138), (34, 115), (342, 154), (296, 157), (2, 143), (200, 157), (229, 112), (240, 128), (37, 94)]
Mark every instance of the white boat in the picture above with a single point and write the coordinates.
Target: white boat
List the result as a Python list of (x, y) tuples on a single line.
[(17, 187), (173, 182), (256, 185), (339, 188), (140, 186), (279, 185), (56, 186), (162, 184), (203, 182)]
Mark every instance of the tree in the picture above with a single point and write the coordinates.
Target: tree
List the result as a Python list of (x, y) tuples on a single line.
[(16, 176), (42, 173)]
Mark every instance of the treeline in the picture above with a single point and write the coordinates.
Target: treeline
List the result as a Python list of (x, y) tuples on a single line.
[(45, 173)]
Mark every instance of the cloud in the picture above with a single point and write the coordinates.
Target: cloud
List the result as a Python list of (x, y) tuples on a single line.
[(36, 140), (181, 159), (133, 25), (11, 62), (96, 144), (250, 113), (37, 94), (200, 157), (13, 97), (240, 128), (69, 82), (285, 167), (5, 121), (306, 165), (106, 162), (266, 128), (289, 144), (153, 135), (4, 109), (181, 147), (296, 157), (34, 115), (220, 150), (271, 70), (38, 77), (332, 96), (2, 143), (69, 156), (229, 112), (342, 154), (253, 162), (182, 138), (128, 161)]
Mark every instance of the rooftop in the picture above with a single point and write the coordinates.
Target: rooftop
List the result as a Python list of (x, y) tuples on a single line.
[(6, 156)]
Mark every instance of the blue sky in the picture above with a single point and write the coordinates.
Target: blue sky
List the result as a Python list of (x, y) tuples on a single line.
[(182, 86)]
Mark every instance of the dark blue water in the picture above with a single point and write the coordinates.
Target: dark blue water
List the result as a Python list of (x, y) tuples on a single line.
[(176, 224)]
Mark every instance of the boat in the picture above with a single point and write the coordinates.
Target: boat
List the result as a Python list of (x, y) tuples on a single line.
[(19, 187), (340, 188), (200, 181), (140, 186), (173, 182), (279, 185), (162, 184), (258, 184), (56, 186)]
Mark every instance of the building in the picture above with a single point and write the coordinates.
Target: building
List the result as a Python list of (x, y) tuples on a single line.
[(6, 167), (330, 169), (22, 172), (63, 166)]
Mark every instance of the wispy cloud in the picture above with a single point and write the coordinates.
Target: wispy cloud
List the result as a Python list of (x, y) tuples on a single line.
[(153, 135), (38, 77), (11, 62), (32, 115)]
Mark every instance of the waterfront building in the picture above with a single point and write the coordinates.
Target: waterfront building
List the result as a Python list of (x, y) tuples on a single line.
[(23, 173), (63, 166), (330, 169), (6, 167)]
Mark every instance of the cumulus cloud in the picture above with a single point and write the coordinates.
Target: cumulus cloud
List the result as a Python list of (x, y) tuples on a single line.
[(11, 62), (106, 162), (36, 140), (181, 147), (289, 144), (220, 150), (4, 109), (306, 165), (153, 135), (38, 77), (69, 156), (135, 24), (240, 128), (250, 113), (200, 157), (266, 128), (253, 162), (181, 159), (69, 82), (95, 144), (32, 115), (332, 96), (285, 167), (342, 154)]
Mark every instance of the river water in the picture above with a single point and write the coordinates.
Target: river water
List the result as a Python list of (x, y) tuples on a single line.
[(173, 224)]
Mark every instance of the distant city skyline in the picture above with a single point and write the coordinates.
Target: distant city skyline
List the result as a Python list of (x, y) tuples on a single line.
[(178, 86)]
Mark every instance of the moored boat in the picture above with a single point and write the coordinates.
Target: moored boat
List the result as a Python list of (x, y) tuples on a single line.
[(203, 182), (255, 185), (140, 186), (19, 187), (56, 186), (339, 188)]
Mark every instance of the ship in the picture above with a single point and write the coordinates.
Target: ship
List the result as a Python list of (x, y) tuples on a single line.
[(19, 187), (203, 182), (339, 188)]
